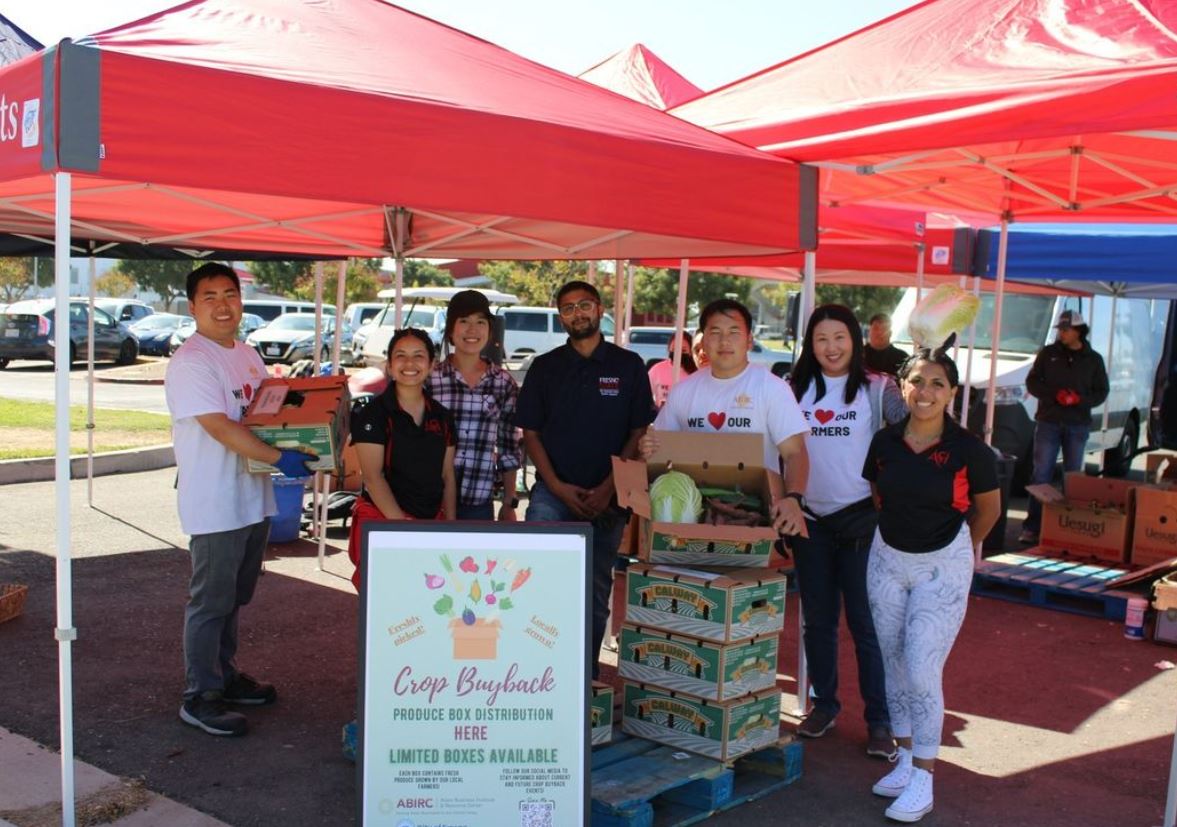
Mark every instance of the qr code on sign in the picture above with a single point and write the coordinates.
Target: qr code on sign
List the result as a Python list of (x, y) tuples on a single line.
[(536, 813)]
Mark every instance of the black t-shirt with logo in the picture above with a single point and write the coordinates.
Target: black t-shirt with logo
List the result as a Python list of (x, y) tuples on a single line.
[(413, 454), (585, 408), (926, 495)]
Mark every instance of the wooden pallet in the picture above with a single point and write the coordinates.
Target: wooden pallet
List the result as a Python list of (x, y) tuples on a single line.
[(640, 783), (1075, 586)]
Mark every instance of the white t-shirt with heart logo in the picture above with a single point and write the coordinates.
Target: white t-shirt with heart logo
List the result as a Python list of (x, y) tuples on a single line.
[(753, 401), (838, 439)]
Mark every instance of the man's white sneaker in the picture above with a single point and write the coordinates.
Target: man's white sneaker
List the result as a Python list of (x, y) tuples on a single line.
[(916, 800), (894, 783)]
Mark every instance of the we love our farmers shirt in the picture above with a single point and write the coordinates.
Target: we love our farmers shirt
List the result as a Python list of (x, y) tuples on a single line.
[(838, 439), (753, 401)]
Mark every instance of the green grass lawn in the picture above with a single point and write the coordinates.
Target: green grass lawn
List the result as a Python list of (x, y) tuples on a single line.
[(26, 429)]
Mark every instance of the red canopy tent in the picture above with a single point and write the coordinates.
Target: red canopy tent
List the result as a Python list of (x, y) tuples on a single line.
[(639, 74), (352, 127)]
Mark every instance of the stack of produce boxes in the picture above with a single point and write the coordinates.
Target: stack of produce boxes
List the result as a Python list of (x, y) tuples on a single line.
[(698, 649)]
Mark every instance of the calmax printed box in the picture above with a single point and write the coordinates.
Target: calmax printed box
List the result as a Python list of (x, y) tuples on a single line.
[(722, 730), (734, 604), (715, 671), (601, 713), (303, 414)]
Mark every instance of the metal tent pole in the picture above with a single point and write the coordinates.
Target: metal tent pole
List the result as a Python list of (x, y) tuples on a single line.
[(90, 387), (628, 298), (618, 302), (340, 296), (968, 370), (65, 631), (998, 299), (1171, 800), (808, 291), (680, 317), (1107, 403), (919, 274), (317, 352)]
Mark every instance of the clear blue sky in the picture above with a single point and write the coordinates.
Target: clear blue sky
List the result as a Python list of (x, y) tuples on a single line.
[(711, 42)]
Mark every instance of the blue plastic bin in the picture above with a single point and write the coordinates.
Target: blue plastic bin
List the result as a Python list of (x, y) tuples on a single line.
[(288, 493)]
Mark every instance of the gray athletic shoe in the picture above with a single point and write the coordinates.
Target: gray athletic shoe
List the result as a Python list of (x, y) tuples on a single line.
[(207, 711)]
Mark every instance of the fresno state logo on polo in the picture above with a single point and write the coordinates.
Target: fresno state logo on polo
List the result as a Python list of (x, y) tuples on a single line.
[(609, 385)]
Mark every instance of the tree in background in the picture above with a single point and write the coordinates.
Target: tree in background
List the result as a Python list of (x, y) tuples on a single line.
[(656, 291), (536, 282), (16, 279), (164, 278), (422, 273), (864, 301), (282, 277), (114, 283), (362, 283)]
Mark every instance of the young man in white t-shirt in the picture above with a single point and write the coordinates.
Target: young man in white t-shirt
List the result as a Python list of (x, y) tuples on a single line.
[(224, 509), (731, 394)]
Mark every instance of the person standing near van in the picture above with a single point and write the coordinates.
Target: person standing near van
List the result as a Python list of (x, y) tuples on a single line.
[(1068, 379), (580, 405), (881, 355), (482, 398), (223, 508)]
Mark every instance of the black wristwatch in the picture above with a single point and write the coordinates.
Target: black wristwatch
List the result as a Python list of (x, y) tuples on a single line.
[(798, 496), (511, 503)]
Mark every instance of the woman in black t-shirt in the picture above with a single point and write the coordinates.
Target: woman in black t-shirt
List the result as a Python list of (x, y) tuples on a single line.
[(936, 487)]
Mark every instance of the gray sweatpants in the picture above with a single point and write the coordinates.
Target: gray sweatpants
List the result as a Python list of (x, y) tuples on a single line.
[(225, 568), (918, 603)]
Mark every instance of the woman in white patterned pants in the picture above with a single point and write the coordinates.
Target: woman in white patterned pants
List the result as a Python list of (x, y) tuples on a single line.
[(936, 487)]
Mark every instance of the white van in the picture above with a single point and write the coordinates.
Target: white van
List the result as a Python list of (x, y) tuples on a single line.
[(534, 330), (1027, 325)]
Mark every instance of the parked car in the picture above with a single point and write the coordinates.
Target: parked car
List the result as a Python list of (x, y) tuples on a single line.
[(125, 310), (291, 337), (651, 342), (28, 329), (155, 332), (249, 323), (270, 309), (360, 313), (535, 330)]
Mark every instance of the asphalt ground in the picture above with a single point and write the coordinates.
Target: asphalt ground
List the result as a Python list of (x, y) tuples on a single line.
[(1054, 719)]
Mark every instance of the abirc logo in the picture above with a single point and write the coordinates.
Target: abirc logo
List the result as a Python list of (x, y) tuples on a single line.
[(406, 822)]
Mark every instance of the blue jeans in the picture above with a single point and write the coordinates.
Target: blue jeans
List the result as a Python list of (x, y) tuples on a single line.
[(545, 507), (225, 569), (831, 569), (1049, 437), (482, 511)]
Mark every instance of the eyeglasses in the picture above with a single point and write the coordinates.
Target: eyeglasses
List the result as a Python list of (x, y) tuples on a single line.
[(584, 306)]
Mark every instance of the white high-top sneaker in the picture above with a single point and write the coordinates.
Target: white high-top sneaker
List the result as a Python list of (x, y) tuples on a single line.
[(916, 800), (894, 783)]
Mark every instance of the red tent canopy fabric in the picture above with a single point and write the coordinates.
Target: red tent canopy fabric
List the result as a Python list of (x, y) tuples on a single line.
[(309, 126), (1029, 108), (639, 74)]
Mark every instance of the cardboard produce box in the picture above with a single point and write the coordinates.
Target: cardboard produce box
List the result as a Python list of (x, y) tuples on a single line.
[(1165, 594), (1092, 516), (723, 730), (601, 713), (722, 607), (307, 414), (1154, 525), (729, 461), (715, 671)]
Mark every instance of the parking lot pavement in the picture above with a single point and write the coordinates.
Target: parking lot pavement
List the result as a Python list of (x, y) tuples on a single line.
[(34, 381)]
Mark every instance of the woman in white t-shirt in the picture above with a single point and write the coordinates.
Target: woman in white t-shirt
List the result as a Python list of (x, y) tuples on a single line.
[(844, 405)]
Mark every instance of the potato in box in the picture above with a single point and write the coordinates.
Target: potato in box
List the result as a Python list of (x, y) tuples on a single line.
[(734, 604), (733, 462), (601, 713), (723, 730), (302, 414), (715, 671)]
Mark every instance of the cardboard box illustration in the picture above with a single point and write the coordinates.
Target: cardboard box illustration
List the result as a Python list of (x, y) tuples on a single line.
[(1154, 525), (601, 713), (728, 461), (306, 414), (715, 671), (723, 730), (734, 604), (1092, 516)]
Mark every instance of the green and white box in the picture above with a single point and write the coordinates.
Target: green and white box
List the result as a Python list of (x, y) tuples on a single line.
[(715, 671), (734, 604), (723, 730), (601, 713)]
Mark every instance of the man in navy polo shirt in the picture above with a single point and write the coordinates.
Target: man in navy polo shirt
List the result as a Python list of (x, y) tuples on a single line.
[(580, 404)]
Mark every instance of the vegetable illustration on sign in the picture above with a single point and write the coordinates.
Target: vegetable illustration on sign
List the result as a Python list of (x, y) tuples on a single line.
[(474, 609)]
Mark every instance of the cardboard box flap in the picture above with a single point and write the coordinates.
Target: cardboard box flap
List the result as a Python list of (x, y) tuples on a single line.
[(717, 449), (633, 489), (1082, 489), (719, 580), (1160, 466)]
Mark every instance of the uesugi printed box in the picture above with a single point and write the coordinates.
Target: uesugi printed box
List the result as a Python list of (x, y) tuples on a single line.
[(303, 414), (718, 606), (723, 730), (715, 671), (601, 713)]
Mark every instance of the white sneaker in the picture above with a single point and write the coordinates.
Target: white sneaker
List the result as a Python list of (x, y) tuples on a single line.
[(916, 801), (894, 783)]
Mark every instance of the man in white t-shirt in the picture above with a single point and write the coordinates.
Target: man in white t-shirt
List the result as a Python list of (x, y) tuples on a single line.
[(224, 509), (732, 395)]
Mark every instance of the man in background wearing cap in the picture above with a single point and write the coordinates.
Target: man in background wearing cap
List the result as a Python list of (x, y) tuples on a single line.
[(1068, 379)]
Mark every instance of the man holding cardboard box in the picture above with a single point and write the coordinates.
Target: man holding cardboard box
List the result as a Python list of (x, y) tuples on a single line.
[(225, 509), (580, 405), (1068, 379)]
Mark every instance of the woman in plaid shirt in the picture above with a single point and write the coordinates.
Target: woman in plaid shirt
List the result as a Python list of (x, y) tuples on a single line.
[(481, 397)]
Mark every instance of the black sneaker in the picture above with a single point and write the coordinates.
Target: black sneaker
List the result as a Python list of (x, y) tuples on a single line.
[(207, 711), (879, 743), (816, 724), (245, 690)]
